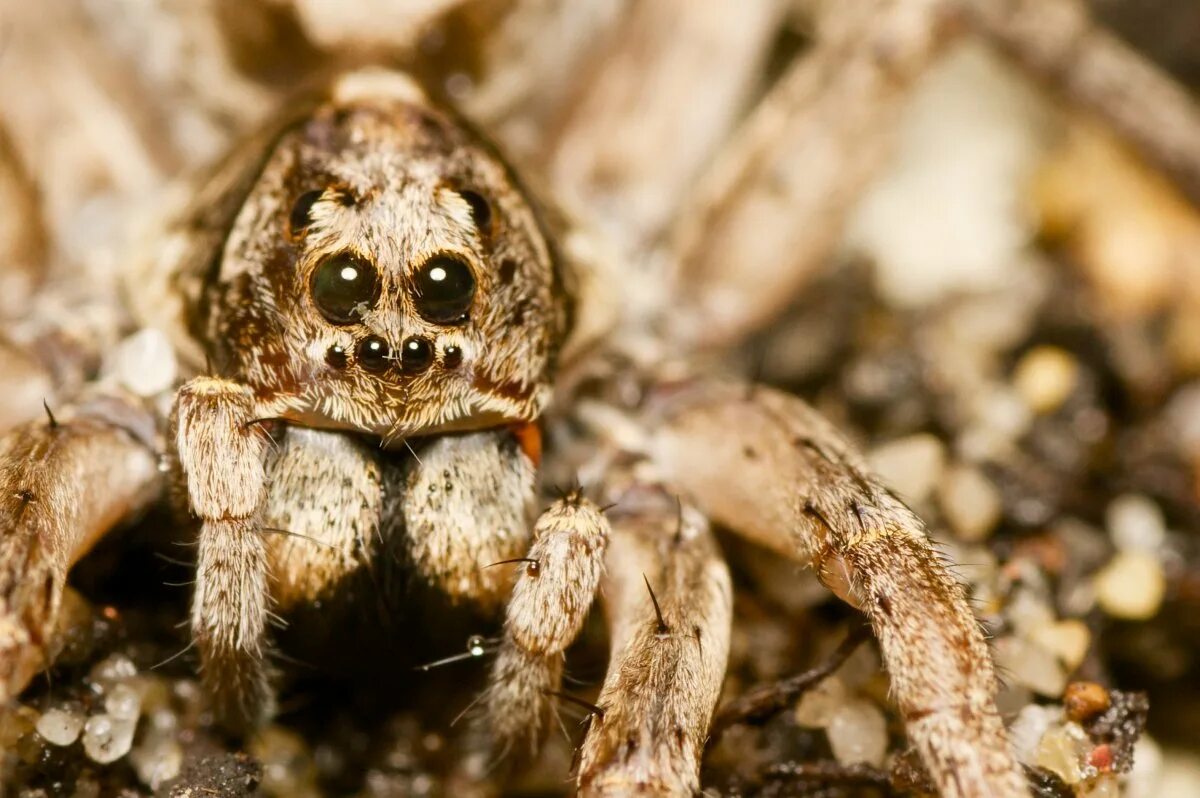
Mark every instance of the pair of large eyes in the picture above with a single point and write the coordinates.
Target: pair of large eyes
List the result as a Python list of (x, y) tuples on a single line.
[(345, 286)]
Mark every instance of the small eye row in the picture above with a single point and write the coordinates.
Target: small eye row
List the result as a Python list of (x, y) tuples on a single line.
[(345, 287), (374, 354)]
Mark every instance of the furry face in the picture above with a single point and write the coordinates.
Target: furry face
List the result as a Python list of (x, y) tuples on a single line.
[(384, 274)]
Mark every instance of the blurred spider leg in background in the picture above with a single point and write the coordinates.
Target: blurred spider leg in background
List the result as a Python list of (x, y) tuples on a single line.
[(631, 178), (669, 603), (1057, 40), (765, 218), (766, 465), (64, 482), (25, 380)]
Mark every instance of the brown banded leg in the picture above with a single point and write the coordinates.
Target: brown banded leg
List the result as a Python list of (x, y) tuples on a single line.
[(467, 503), (669, 604), (222, 458), (64, 482), (550, 602), (768, 466)]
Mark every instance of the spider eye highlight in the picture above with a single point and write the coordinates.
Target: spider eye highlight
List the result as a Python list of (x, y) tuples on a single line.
[(344, 286), (445, 288), (374, 353)]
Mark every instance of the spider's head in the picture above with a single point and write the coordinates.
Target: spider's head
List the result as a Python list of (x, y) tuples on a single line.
[(386, 273)]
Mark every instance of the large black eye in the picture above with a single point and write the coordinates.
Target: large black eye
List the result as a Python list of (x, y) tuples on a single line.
[(343, 287), (445, 288)]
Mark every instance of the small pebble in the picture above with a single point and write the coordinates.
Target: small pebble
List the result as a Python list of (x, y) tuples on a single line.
[(123, 702), (1104, 787), (1044, 377), (1084, 700), (1031, 665), (1136, 523), (857, 732), (970, 503), (1067, 639), (157, 760), (107, 739), (1031, 724), (1004, 413), (1027, 611), (1131, 586), (1012, 698), (912, 466), (1145, 778), (1064, 750), (816, 707), (1180, 774), (60, 726), (145, 362), (110, 670)]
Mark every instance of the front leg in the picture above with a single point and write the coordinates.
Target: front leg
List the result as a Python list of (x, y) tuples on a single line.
[(221, 457), (549, 605), (668, 599)]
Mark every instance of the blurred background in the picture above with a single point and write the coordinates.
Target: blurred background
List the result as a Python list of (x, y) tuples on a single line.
[(967, 232)]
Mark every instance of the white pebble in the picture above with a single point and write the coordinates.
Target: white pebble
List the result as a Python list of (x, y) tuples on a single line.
[(123, 702), (157, 760), (1026, 611), (145, 362), (1026, 732), (60, 726), (1131, 586), (110, 670), (857, 732), (1145, 779), (1068, 639), (1136, 523), (817, 706), (1183, 413), (1031, 665), (107, 739), (912, 465), (1180, 774), (1104, 787), (968, 163), (1005, 413), (970, 502)]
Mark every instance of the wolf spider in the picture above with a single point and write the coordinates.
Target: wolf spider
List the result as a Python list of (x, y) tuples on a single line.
[(367, 279)]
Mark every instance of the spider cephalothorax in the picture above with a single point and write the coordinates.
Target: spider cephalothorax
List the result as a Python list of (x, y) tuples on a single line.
[(384, 273)]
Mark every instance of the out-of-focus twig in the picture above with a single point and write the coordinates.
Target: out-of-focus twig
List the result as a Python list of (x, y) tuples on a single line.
[(1058, 41), (762, 701), (830, 773)]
